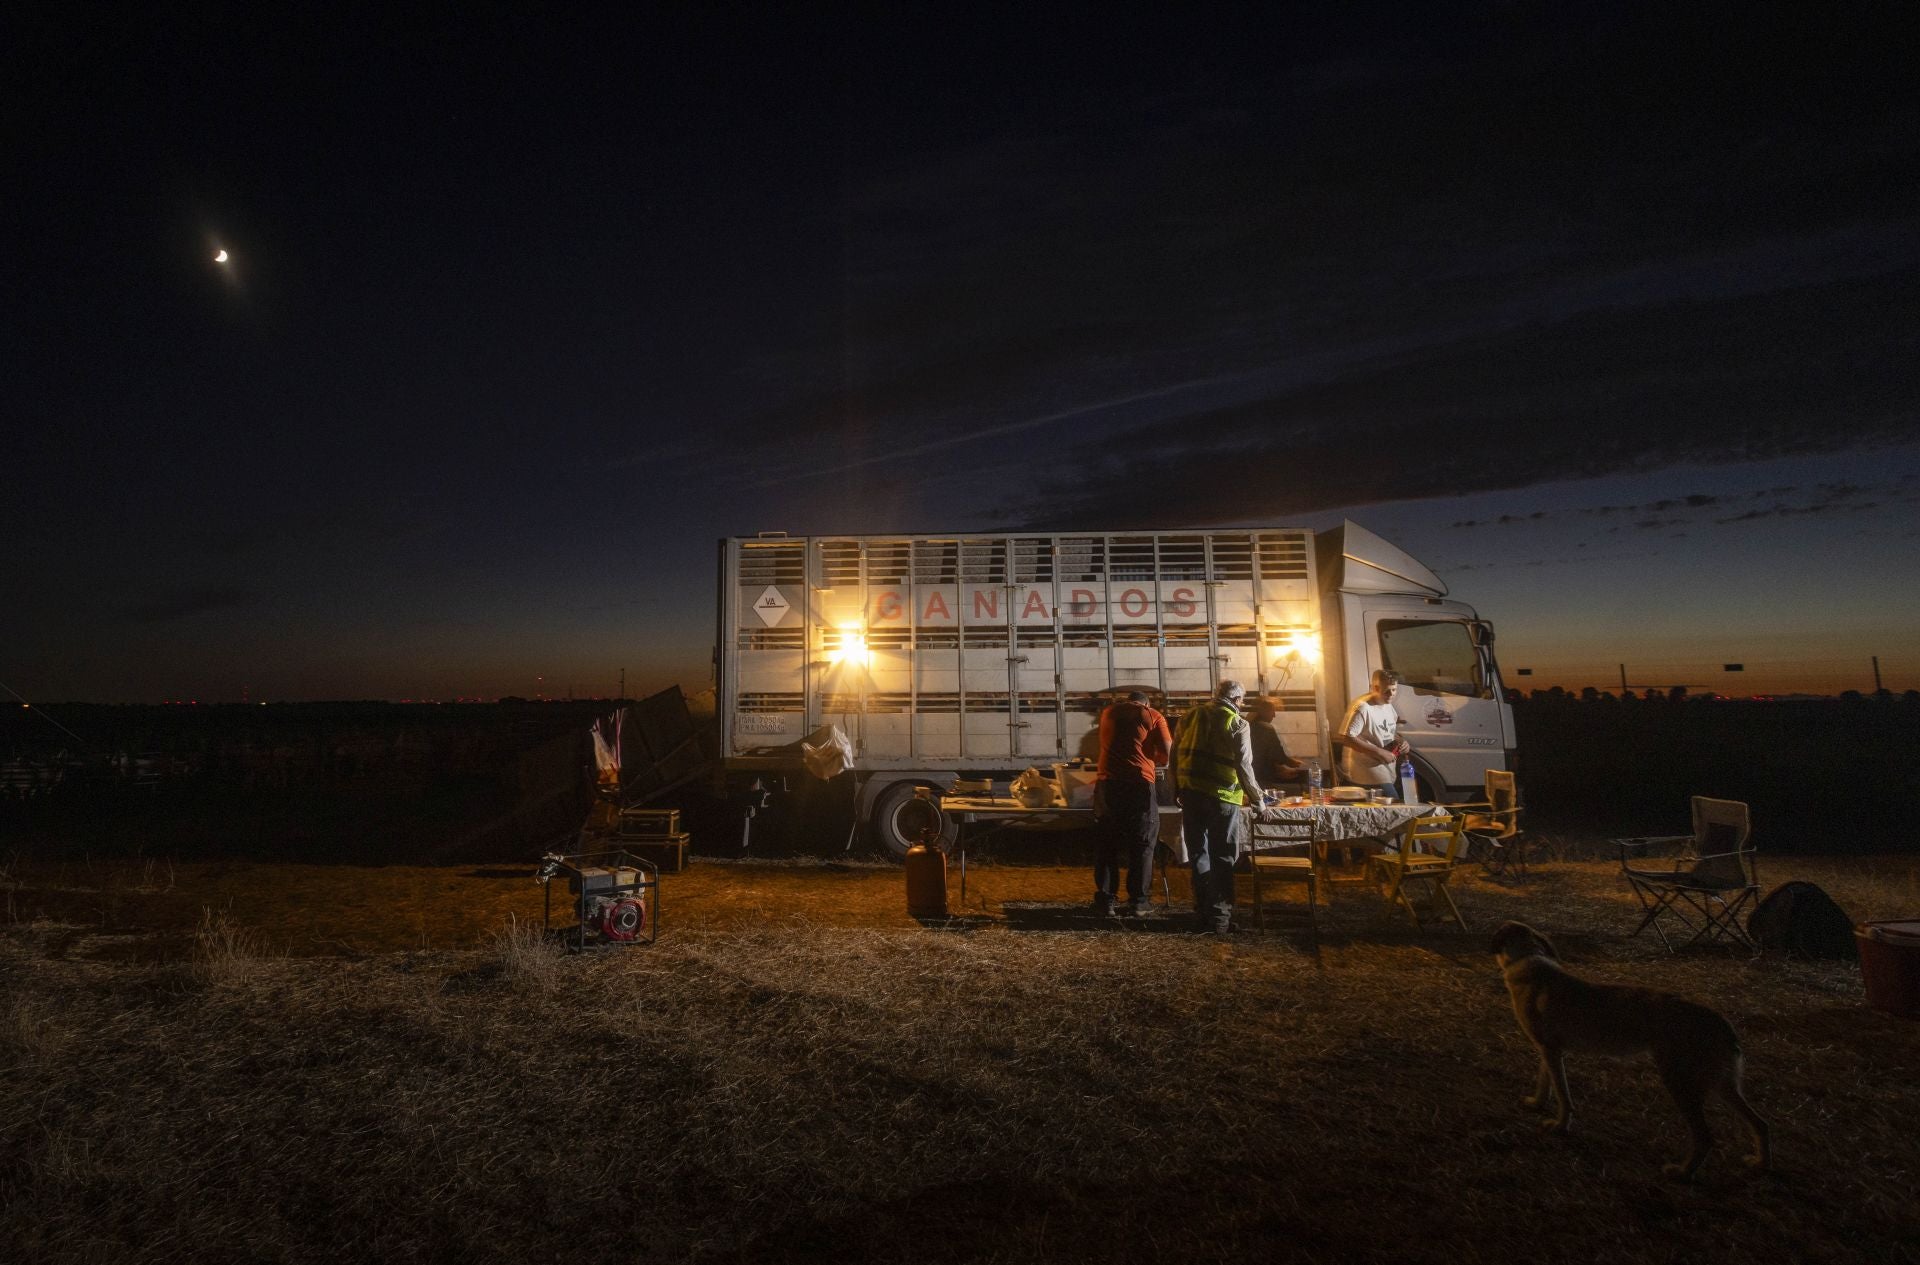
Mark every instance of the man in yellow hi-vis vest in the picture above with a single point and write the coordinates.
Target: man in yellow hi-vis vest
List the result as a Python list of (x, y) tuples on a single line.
[(1213, 762)]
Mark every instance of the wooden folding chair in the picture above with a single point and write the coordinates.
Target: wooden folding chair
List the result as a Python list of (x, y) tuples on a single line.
[(1284, 850), (1431, 849), (1707, 884)]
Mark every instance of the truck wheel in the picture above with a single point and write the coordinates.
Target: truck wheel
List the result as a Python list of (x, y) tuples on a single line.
[(899, 818)]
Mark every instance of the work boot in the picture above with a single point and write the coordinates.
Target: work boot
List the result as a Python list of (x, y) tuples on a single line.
[(1102, 906)]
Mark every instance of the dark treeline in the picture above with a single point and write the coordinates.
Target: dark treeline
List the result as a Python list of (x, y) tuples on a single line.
[(379, 782), (306, 781), (1821, 775), (296, 742)]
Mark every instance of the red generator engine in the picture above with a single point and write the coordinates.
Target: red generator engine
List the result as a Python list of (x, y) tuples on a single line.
[(616, 896)]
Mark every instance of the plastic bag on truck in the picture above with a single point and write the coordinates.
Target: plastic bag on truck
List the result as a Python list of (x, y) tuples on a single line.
[(826, 752), (1032, 790)]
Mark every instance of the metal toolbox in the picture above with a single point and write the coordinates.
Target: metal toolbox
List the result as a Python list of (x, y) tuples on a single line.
[(649, 823)]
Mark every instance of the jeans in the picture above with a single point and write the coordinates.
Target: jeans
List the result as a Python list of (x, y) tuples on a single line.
[(1207, 822), (1128, 828)]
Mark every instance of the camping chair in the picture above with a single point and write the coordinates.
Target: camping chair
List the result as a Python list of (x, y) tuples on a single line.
[(1430, 851), (1493, 827), (1706, 884), (1284, 850)]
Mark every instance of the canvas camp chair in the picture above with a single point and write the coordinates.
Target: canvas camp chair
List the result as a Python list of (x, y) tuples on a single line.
[(1430, 850), (1708, 881), (1284, 851), (1493, 827)]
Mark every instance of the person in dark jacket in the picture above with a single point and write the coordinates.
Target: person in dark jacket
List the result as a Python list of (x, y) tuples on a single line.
[(1271, 763), (1134, 743)]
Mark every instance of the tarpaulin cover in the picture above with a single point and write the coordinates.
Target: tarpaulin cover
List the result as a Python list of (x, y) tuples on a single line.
[(826, 752)]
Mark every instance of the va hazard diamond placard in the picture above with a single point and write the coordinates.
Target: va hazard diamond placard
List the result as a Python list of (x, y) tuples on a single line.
[(770, 606)]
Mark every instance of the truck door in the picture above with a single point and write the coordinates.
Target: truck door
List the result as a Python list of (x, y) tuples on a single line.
[(1449, 707)]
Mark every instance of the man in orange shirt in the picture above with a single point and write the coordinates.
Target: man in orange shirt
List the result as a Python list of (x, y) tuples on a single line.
[(1134, 743)]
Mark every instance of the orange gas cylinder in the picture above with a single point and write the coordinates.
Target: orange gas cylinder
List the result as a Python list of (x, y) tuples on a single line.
[(927, 878)]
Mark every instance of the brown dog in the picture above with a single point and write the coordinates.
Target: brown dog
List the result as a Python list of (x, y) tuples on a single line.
[(1694, 1047)]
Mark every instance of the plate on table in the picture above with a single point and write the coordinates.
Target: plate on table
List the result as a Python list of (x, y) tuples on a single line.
[(1348, 794)]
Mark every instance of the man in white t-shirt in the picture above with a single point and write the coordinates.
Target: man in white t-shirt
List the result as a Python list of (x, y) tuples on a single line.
[(1369, 738)]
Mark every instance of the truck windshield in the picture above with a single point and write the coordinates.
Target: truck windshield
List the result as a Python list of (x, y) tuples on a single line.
[(1434, 655)]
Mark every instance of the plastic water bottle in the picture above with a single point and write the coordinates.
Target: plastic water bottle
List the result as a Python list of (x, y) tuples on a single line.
[(1409, 786), (1313, 781)]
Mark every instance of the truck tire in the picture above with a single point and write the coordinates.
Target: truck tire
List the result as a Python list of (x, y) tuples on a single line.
[(899, 817)]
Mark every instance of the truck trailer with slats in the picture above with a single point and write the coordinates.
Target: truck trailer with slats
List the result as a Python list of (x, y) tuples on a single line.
[(942, 656)]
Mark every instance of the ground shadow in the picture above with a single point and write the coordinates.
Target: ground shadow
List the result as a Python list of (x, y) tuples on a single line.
[(1056, 916), (476, 979), (1293, 929), (957, 922)]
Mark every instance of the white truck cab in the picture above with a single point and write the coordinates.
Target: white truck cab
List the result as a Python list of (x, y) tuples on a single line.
[(1382, 608)]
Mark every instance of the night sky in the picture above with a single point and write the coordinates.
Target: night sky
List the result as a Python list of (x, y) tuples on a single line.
[(1608, 313)]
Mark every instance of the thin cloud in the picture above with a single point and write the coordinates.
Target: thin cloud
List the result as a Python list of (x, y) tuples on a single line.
[(1627, 396), (1532, 563), (1504, 520), (1802, 511), (169, 607), (1000, 431), (992, 287)]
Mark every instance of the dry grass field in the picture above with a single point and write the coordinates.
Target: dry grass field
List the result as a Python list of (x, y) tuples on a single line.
[(285, 1063)]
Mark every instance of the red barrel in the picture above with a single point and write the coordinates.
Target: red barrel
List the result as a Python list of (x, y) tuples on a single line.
[(1890, 965), (926, 881)]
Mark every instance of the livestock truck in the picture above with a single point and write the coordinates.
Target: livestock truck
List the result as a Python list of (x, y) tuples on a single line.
[(948, 656)]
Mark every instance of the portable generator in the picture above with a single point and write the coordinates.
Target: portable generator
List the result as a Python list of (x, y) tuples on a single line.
[(616, 896)]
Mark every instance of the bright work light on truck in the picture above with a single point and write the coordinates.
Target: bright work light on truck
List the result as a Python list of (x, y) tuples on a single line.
[(1299, 647), (852, 648)]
